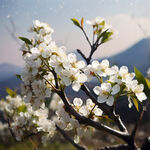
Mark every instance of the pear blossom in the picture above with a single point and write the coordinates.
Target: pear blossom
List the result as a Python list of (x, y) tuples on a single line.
[(96, 21), (104, 93), (77, 102)]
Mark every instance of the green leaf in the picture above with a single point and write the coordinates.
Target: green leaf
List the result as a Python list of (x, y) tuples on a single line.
[(22, 108), (135, 102), (148, 83), (142, 80), (11, 92), (106, 36), (76, 22), (27, 41), (102, 23), (18, 76)]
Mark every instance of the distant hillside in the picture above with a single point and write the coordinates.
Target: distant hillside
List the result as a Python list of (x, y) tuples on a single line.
[(138, 55), (8, 77), (8, 70)]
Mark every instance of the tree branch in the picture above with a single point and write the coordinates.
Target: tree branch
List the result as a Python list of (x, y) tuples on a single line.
[(117, 147), (113, 116), (86, 37), (69, 139), (83, 56), (146, 144), (83, 120), (133, 134)]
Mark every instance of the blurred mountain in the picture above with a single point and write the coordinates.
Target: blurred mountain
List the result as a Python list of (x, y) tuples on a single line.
[(8, 70), (8, 77), (137, 55)]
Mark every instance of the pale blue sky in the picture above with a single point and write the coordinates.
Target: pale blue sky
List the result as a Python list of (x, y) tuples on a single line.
[(58, 14)]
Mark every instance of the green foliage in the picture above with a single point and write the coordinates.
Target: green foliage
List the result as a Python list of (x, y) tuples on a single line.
[(28, 145), (76, 22), (141, 79), (135, 102), (22, 108), (148, 83), (18, 76), (11, 92), (106, 36), (27, 41)]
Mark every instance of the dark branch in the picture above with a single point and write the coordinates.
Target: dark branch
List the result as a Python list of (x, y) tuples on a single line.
[(133, 134), (9, 127), (86, 37), (69, 139), (146, 144), (117, 147), (87, 121), (83, 56), (113, 116)]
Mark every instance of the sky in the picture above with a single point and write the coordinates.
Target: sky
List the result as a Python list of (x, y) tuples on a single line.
[(17, 16)]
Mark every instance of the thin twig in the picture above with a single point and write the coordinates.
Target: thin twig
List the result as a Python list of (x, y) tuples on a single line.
[(133, 134), (113, 116), (117, 147), (86, 37), (69, 139), (83, 56), (51, 84), (9, 127), (87, 121), (56, 79)]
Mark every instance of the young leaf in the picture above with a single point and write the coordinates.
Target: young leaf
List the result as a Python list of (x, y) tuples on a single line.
[(106, 37), (148, 83), (18, 76), (135, 102), (27, 41), (76, 22), (82, 21), (11, 92), (142, 80), (22, 108)]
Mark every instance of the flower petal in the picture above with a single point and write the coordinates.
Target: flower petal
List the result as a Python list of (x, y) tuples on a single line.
[(110, 101)]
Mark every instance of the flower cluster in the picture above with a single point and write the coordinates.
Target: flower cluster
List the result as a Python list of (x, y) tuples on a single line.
[(42, 58), (67, 122), (4, 131), (25, 120), (49, 69), (114, 81)]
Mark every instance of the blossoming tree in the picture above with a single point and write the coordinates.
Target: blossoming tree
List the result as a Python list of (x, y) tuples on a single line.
[(49, 70)]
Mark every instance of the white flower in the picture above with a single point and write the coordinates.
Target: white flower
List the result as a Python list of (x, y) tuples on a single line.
[(75, 77), (72, 58), (138, 90), (115, 89), (89, 104), (97, 112), (77, 102), (112, 71), (35, 51), (84, 111), (89, 72), (96, 21), (100, 68), (103, 93), (123, 71)]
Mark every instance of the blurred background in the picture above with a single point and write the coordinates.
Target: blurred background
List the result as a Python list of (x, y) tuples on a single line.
[(130, 18)]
